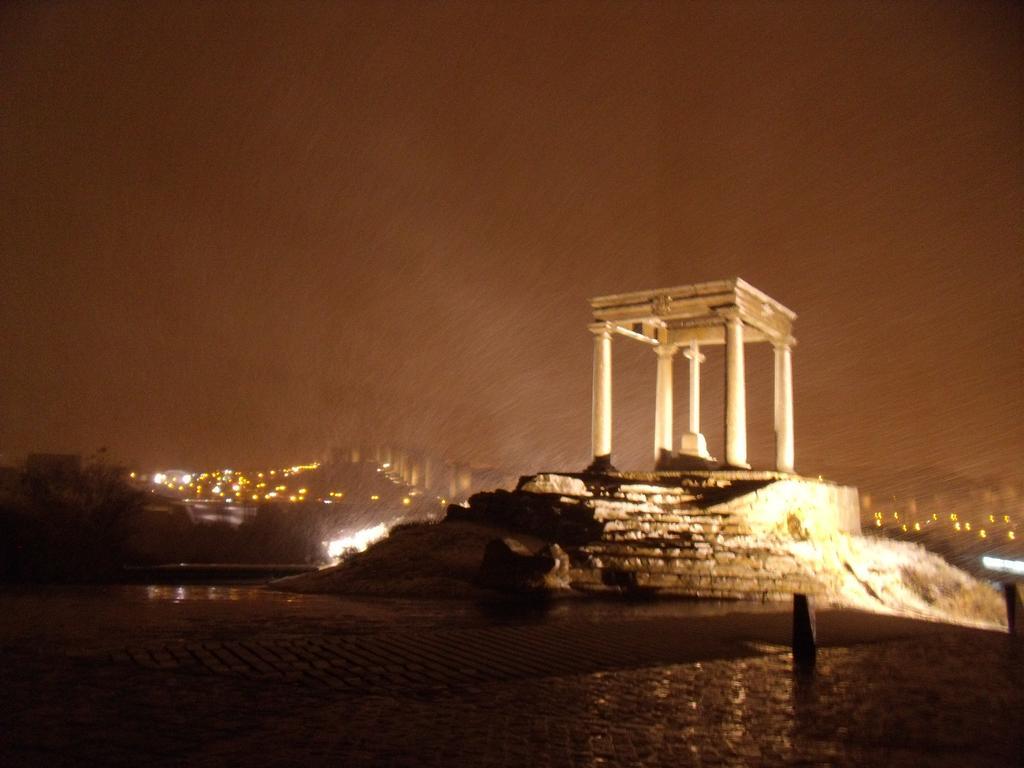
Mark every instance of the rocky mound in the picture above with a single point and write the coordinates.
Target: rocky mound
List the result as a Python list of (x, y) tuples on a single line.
[(713, 535), (440, 559)]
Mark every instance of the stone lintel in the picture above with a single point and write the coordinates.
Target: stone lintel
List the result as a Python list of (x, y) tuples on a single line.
[(688, 311), (710, 334), (630, 333)]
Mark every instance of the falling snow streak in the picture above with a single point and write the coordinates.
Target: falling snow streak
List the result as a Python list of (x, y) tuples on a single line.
[(242, 235)]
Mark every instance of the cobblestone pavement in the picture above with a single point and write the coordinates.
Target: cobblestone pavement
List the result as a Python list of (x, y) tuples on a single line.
[(650, 689)]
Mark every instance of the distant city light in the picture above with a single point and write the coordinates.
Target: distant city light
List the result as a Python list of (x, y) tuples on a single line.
[(244, 486), (358, 541), (999, 564)]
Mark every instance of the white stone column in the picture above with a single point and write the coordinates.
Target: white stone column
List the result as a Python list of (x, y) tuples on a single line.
[(693, 442), (696, 358), (601, 434), (735, 395), (784, 408), (663, 403)]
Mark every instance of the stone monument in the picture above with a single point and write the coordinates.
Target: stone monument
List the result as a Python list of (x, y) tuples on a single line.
[(694, 526), (730, 312)]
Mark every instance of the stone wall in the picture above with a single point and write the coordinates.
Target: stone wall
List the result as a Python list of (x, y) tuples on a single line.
[(820, 507)]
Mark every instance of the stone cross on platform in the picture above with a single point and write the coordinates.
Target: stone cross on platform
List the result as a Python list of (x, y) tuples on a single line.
[(730, 312)]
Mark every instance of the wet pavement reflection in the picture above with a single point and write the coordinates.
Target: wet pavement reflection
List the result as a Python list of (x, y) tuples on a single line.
[(214, 674)]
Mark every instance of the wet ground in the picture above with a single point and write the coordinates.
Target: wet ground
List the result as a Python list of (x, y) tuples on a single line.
[(218, 675)]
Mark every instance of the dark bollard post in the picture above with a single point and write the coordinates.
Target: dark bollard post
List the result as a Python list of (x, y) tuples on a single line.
[(805, 646), (1014, 610)]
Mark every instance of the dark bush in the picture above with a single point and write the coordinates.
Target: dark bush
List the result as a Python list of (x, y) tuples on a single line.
[(67, 524)]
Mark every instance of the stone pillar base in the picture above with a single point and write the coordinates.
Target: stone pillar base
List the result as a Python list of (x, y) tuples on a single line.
[(600, 465), (664, 460), (734, 465), (694, 444)]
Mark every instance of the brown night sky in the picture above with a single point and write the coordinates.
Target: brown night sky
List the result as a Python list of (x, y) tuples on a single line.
[(239, 233)]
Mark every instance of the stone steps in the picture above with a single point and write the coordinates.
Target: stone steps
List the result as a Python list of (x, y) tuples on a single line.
[(680, 533), (720, 586), (749, 558), (659, 541)]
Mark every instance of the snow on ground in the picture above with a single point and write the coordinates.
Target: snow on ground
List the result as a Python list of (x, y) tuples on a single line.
[(560, 484), (898, 577)]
